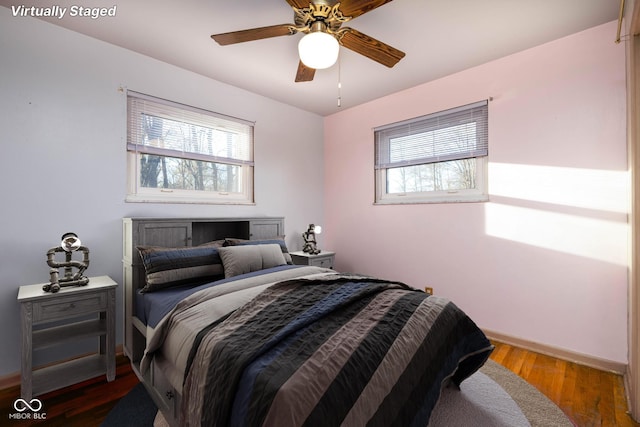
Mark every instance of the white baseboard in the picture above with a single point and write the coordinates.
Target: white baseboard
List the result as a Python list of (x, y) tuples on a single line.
[(559, 353)]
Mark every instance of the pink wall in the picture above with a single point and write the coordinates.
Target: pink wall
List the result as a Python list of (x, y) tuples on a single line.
[(546, 259)]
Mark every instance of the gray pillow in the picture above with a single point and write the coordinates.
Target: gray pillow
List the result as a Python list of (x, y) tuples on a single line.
[(232, 241), (245, 259)]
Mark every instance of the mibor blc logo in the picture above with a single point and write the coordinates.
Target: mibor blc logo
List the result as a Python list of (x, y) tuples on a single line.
[(28, 410)]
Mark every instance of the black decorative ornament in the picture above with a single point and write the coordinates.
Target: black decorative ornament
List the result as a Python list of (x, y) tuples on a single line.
[(70, 243), (309, 237)]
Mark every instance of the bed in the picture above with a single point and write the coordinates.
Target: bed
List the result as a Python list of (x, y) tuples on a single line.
[(224, 330)]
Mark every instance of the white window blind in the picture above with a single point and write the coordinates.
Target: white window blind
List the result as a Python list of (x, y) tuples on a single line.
[(165, 128), (436, 158), (455, 134)]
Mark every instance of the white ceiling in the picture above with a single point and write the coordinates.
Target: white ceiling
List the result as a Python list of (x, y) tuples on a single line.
[(439, 37)]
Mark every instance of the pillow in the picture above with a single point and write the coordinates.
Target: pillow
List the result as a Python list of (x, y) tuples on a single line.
[(167, 267), (278, 240), (247, 258), (214, 243)]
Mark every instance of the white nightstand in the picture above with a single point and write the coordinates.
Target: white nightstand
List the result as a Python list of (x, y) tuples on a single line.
[(75, 312), (323, 259)]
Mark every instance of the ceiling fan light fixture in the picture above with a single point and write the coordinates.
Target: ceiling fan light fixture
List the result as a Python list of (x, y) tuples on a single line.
[(322, 23), (318, 50)]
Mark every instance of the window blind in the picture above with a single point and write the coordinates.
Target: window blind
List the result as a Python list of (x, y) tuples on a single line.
[(455, 134), (166, 128)]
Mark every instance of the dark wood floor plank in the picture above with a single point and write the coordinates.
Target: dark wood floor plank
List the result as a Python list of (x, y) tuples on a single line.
[(84, 404)]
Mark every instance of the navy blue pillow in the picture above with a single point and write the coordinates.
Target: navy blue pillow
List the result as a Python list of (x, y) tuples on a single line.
[(167, 267)]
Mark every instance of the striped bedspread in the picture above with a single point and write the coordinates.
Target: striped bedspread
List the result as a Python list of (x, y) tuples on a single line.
[(329, 351)]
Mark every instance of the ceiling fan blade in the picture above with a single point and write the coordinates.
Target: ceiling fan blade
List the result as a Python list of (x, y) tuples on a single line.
[(304, 73), (298, 4), (254, 34), (355, 8), (370, 47)]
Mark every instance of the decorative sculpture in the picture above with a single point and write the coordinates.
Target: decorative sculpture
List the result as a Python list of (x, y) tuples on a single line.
[(70, 243), (309, 237)]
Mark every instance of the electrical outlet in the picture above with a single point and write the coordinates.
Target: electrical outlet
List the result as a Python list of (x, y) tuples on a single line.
[(428, 290)]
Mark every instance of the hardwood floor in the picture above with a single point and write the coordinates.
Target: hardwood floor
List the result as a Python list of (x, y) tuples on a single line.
[(83, 405), (590, 397)]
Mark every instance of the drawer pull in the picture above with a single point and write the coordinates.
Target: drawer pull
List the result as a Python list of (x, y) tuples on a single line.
[(169, 394)]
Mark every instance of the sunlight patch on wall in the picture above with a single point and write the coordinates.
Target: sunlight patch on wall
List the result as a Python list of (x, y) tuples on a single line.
[(583, 236), (576, 211), (603, 190)]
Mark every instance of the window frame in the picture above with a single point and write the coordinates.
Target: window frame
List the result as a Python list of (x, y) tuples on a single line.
[(477, 194), (137, 193)]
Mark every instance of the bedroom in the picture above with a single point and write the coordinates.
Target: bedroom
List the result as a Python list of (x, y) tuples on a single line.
[(549, 256)]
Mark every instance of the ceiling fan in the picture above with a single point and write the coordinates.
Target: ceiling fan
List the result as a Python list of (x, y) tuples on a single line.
[(322, 19)]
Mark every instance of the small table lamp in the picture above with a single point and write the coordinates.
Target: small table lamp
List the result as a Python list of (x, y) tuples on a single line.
[(70, 243), (309, 237)]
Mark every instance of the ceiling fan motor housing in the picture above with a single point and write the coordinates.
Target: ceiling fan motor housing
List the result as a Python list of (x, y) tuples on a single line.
[(331, 16)]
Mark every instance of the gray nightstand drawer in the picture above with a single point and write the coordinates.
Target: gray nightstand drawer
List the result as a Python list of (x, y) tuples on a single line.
[(323, 259), (326, 262), (69, 306)]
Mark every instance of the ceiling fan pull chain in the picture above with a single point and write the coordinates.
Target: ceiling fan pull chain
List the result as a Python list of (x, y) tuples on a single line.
[(339, 83)]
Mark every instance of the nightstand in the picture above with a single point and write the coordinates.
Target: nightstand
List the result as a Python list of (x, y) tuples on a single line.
[(323, 259), (73, 313)]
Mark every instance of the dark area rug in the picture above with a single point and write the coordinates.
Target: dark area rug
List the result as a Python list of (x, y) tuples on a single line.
[(136, 409), (494, 397)]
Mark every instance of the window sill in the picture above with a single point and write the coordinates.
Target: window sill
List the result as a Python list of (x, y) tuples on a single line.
[(136, 198), (408, 200)]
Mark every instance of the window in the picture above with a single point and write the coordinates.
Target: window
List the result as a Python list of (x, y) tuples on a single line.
[(182, 154), (441, 157)]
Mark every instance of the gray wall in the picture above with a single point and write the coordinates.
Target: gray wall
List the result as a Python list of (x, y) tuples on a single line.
[(63, 161)]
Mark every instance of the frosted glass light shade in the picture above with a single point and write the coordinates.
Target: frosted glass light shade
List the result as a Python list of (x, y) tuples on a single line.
[(318, 50)]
